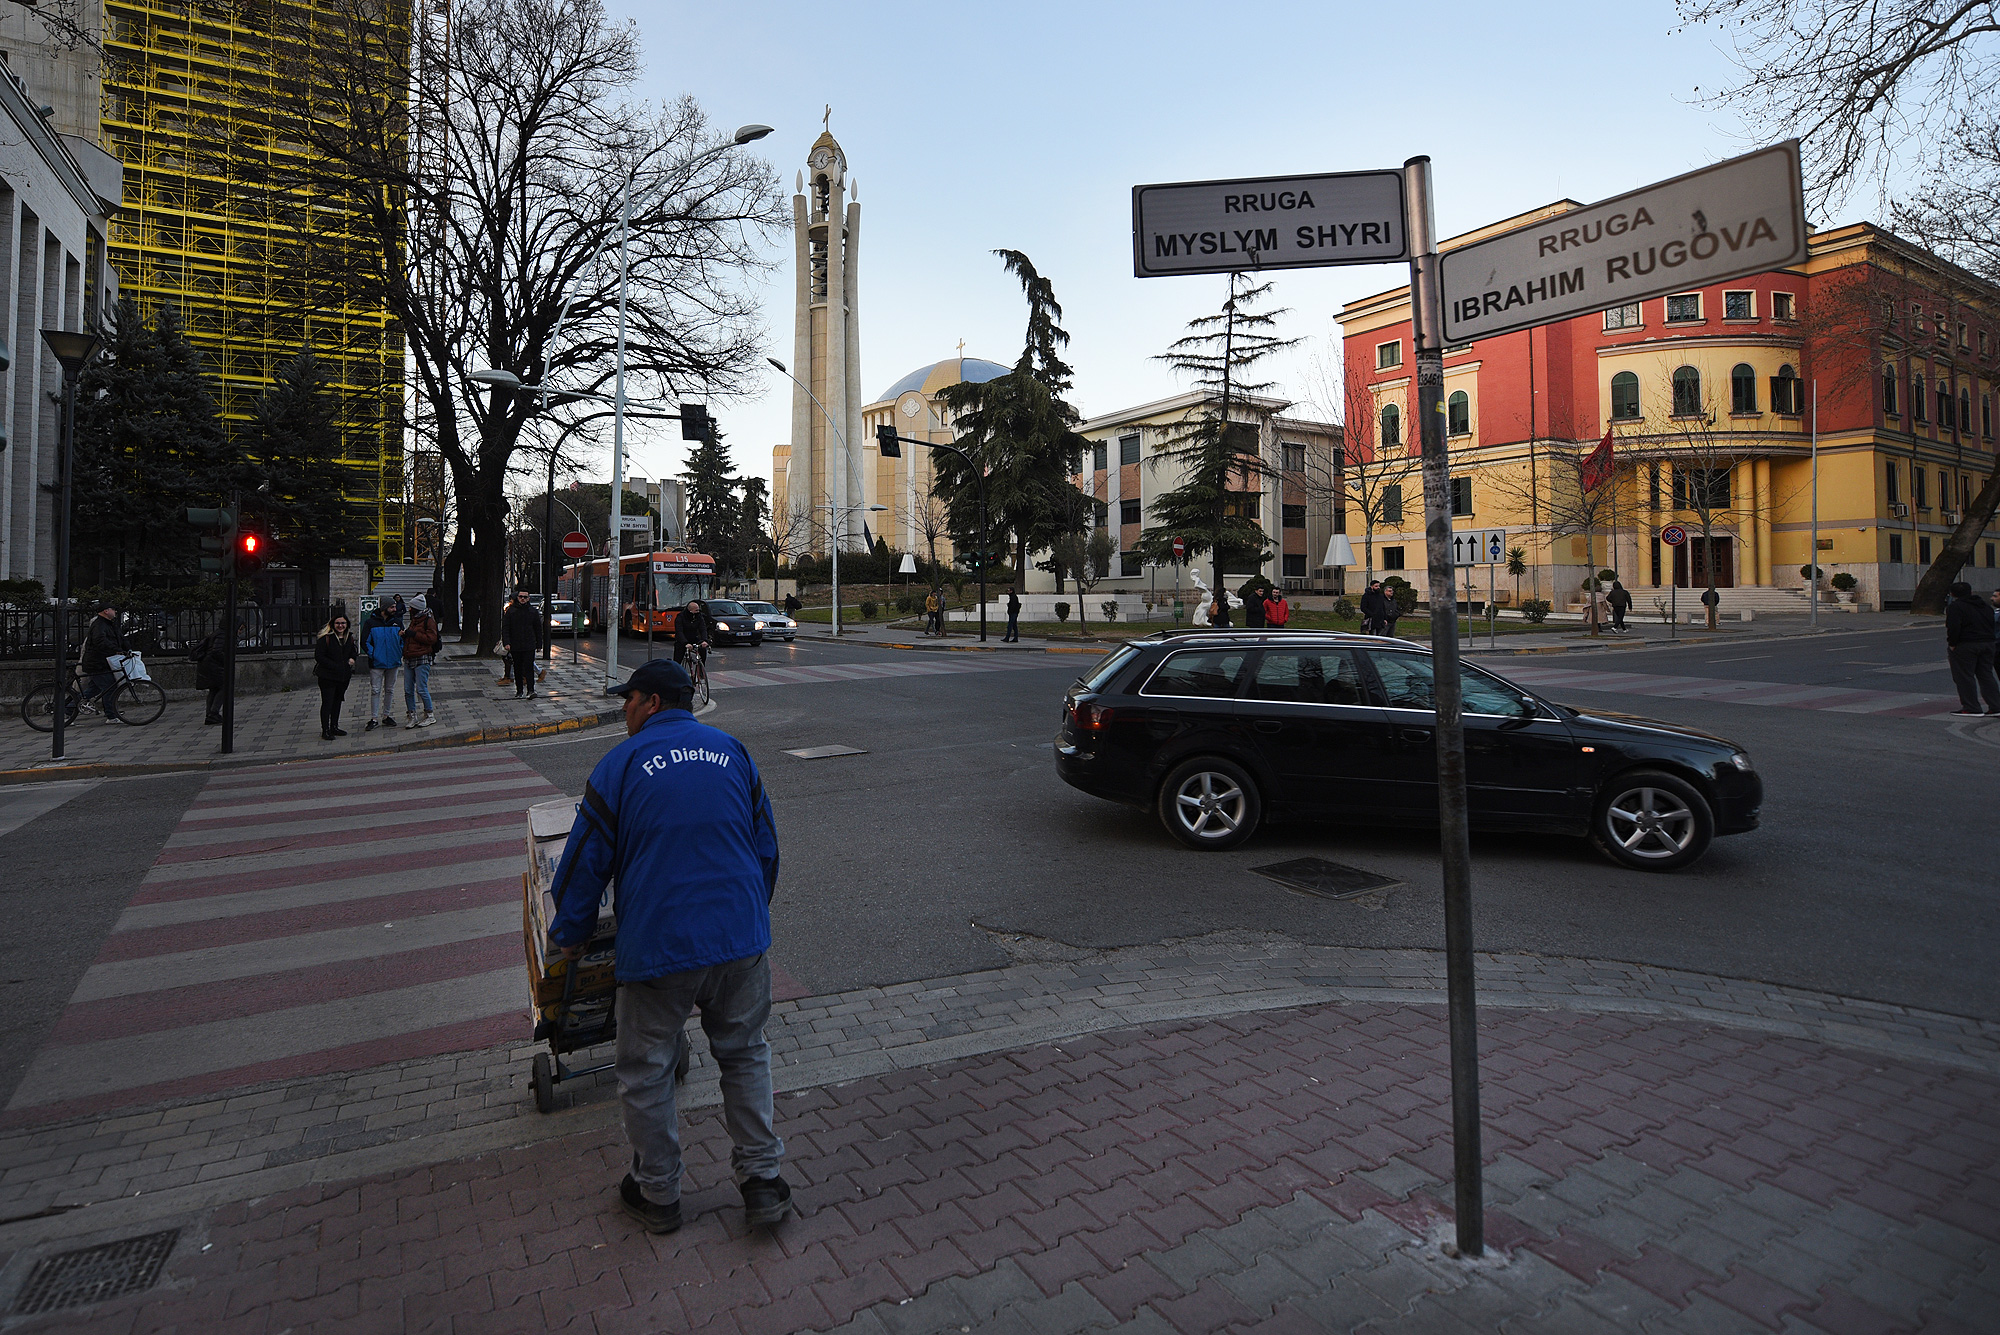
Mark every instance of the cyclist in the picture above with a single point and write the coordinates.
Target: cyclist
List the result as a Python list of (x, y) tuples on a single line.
[(691, 627), (100, 642)]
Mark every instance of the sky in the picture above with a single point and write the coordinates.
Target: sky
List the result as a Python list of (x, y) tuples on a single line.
[(1025, 125)]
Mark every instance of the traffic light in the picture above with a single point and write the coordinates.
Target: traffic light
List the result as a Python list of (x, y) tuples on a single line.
[(218, 538), (253, 549), (696, 423), (886, 442)]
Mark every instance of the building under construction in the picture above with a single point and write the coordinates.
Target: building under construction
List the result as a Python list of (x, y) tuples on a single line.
[(178, 99)]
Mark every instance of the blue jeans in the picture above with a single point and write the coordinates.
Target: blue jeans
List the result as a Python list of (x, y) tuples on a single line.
[(734, 1000), (106, 685), (416, 684)]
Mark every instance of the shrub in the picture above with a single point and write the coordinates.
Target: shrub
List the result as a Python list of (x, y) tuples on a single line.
[(1845, 582), (1062, 611), (22, 593), (1536, 610), (903, 602), (1345, 609), (1110, 609), (1405, 596), (1607, 575), (867, 609), (1811, 573)]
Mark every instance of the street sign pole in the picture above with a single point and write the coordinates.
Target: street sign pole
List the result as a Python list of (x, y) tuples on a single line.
[(1454, 837)]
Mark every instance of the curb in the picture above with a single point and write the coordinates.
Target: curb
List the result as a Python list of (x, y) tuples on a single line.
[(517, 732)]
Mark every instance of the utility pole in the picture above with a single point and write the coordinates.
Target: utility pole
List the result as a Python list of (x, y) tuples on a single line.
[(1454, 838)]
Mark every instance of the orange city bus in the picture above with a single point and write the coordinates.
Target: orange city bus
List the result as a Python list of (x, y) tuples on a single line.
[(652, 587)]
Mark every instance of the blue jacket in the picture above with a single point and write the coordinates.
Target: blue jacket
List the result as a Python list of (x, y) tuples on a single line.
[(678, 816), (385, 645)]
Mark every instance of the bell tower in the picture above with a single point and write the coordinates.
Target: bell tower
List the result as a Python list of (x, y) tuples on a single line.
[(826, 459)]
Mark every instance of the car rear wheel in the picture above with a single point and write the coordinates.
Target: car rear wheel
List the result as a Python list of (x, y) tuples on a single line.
[(1210, 804), (1652, 821)]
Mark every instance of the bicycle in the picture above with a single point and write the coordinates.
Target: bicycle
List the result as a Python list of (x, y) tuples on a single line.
[(136, 696), (698, 669)]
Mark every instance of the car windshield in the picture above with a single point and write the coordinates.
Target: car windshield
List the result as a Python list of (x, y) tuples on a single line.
[(760, 609), (722, 607), (562, 607)]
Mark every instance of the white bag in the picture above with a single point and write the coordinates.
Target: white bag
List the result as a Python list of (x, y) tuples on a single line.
[(131, 665)]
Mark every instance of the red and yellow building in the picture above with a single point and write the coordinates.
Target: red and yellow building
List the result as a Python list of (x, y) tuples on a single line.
[(1710, 397)]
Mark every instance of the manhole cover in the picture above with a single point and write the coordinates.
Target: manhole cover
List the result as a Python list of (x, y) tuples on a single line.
[(1328, 880), (822, 752), (93, 1274)]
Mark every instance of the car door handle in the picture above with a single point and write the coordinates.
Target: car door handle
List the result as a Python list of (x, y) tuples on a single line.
[(1414, 734), (1269, 725)]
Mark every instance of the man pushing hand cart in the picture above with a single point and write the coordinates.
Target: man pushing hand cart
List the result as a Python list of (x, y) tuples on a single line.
[(677, 815)]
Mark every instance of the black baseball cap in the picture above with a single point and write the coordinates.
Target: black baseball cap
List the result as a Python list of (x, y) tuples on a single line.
[(662, 677)]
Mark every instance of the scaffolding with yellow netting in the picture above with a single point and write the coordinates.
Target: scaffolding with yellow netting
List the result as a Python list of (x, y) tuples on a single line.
[(183, 84)]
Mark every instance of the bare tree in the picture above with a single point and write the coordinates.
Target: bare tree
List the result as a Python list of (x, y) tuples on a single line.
[(931, 518), (1358, 476), (1550, 488), (1699, 453), (477, 211), (1870, 87), (794, 533)]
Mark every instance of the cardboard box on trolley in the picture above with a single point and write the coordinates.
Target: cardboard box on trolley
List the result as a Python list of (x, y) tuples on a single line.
[(548, 834)]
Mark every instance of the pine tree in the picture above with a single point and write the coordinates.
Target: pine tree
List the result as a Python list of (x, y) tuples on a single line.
[(1021, 427), (296, 436), (149, 443), (1219, 460), (713, 512)]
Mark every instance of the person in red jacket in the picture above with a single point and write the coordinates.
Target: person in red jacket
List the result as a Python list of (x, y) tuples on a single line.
[(1276, 610), (420, 646)]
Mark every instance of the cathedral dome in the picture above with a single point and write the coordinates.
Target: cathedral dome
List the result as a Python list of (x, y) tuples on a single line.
[(951, 371)]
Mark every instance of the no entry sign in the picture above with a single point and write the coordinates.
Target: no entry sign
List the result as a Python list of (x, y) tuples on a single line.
[(1738, 217), (575, 545)]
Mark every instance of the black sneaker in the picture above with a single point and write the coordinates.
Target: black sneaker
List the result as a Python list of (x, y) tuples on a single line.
[(766, 1200), (656, 1218)]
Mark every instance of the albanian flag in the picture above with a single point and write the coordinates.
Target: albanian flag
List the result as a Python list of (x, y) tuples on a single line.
[(1596, 468)]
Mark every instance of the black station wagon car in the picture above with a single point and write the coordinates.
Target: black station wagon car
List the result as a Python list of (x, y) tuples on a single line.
[(1215, 731)]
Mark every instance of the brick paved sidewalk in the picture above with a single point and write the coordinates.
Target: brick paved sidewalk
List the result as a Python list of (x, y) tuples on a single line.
[(1225, 1135), (471, 707)]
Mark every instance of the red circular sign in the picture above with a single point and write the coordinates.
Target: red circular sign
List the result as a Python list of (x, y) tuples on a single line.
[(575, 545), (1673, 535), (1180, 548)]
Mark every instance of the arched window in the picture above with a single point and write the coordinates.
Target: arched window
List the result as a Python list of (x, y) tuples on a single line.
[(1458, 414), (1916, 397), (1687, 392), (1889, 390), (1743, 389), (1788, 396), (1392, 425), (1965, 409), (1624, 397), (1944, 405)]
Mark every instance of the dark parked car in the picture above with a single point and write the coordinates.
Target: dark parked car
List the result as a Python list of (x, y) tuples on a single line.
[(1216, 731), (734, 623)]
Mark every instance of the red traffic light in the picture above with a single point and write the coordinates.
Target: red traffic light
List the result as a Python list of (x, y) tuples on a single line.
[(250, 544)]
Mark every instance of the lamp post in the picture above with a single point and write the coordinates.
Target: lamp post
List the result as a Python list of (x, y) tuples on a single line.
[(73, 349), (833, 521), (889, 442), (744, 135)]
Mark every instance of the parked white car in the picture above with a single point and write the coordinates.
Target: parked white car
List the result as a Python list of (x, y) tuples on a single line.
[(777, 626)]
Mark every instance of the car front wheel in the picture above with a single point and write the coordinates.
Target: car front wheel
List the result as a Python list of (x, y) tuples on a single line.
[(1209, 804), (1651, 821)]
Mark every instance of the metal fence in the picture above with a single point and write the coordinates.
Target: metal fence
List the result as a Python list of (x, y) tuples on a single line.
[(30, 632)]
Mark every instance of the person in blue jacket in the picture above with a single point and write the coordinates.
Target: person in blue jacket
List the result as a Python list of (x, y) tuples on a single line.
[(382, 642), (676, 814)]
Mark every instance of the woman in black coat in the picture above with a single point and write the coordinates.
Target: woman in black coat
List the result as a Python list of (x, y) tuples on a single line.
[(334, 654)]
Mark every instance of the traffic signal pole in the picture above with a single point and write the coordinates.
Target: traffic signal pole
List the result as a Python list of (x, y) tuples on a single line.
[(230, 540), (889, 444)]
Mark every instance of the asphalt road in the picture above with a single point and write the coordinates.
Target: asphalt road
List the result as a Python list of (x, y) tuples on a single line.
[(952, 846), (949, 845)]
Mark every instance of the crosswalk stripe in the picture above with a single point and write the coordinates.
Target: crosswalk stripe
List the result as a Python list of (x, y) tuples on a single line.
[(139, 917), (1779, 694), (249, 811)]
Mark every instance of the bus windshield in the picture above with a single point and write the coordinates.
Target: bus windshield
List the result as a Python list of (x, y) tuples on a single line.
[(673, 590)]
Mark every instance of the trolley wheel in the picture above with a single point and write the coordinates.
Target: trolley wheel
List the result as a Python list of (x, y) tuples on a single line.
[(543, 1082), (681, 1062), (38, 708), (140, 702)]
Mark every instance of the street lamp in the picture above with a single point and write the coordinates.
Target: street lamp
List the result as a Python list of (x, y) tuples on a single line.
[(834, 522), (73, 349), (745, 134)]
